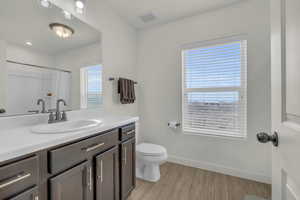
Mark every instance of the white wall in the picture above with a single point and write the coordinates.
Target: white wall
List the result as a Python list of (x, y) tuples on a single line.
[(159, 77), (3, 73), (75, 59), (118, 41), (28, 55)]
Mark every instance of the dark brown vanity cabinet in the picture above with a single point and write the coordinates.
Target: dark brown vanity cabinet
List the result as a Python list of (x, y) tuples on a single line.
[(107, 175), (100, 167), (127, 163), (72, 184)]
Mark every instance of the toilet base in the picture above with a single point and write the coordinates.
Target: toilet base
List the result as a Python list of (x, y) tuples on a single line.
[(148, 172)]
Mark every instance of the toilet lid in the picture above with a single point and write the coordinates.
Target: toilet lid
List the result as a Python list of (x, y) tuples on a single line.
[(150, 149)]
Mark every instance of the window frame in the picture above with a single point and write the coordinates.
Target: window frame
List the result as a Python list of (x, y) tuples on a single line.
[(84, 86), (242, 89)]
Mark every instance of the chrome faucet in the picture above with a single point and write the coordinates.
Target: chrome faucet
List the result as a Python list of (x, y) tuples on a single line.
[(58, 116), (43, 105)]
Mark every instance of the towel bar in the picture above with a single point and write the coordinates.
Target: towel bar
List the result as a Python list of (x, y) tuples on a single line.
[(112, 79)]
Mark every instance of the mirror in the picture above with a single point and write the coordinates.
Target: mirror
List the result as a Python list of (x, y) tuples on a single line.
[(47, 54)]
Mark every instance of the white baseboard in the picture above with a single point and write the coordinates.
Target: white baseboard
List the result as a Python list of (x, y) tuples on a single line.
[(220, 169)]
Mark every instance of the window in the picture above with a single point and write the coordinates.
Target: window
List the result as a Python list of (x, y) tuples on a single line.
[(214, 89), (91, 86)]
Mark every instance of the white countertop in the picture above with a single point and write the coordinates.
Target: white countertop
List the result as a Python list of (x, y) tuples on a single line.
[(21, 141)]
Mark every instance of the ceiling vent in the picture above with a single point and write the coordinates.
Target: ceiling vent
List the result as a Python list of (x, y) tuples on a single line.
[(148, 17)]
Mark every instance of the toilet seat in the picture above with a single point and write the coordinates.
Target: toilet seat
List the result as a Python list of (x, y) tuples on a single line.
[(146, 149)]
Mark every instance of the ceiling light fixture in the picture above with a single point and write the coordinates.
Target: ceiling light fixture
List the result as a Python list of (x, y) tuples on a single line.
[(67, 15), (79, 6), (28, 43), (61, 30), (45, 3)]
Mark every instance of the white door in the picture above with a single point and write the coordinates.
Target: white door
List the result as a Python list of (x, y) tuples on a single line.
[(285, 40)]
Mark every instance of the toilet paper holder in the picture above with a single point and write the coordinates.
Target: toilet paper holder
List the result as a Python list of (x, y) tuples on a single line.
[(174, 124)]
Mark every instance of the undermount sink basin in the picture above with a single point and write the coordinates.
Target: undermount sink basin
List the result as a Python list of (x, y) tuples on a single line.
[(65, 127)]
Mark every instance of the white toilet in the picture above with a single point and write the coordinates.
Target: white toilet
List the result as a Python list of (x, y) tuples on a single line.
[(148, 159)]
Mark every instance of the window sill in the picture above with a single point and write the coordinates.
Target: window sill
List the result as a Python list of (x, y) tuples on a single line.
[(214, 135)]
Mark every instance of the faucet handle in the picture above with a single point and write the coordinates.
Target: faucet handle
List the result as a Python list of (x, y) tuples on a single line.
[(64, 116), (51, 118), (57, 115)]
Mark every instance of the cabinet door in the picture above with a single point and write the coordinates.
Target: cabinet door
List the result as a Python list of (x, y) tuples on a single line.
[(72, 184), (31, 194), (107, 175), (127, 168)]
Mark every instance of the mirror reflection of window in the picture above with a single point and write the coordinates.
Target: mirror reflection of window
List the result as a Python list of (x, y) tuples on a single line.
[(91, 86)]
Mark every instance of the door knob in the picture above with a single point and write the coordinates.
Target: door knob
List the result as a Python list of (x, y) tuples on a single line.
[(265, 138)]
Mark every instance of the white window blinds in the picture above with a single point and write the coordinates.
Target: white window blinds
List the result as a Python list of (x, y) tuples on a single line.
[(91, 86), (214, 89), (94, 86)]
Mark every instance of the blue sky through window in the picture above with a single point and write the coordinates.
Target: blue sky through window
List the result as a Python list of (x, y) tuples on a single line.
[(94, 85), (216, 66), (94, 74)]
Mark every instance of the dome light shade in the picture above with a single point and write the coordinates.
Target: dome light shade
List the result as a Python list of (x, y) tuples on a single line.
[(61, 30)]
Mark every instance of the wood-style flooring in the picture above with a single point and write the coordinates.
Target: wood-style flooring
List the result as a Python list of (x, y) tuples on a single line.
[(186, 183)]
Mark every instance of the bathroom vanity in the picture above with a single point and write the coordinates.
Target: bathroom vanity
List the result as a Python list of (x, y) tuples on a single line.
[(100, 166)]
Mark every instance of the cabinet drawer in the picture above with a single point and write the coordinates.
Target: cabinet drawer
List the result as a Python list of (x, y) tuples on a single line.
[(31, 194), (70, 155), (127, 132), (18, 176)]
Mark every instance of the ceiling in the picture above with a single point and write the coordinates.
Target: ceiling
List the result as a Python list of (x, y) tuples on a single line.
[(22, 21), (164, 10)]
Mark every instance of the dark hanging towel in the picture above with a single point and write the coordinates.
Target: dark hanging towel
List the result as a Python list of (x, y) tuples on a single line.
[(126, 90)]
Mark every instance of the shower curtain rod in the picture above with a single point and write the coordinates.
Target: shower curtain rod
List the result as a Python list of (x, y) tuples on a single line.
[(38, 66)]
